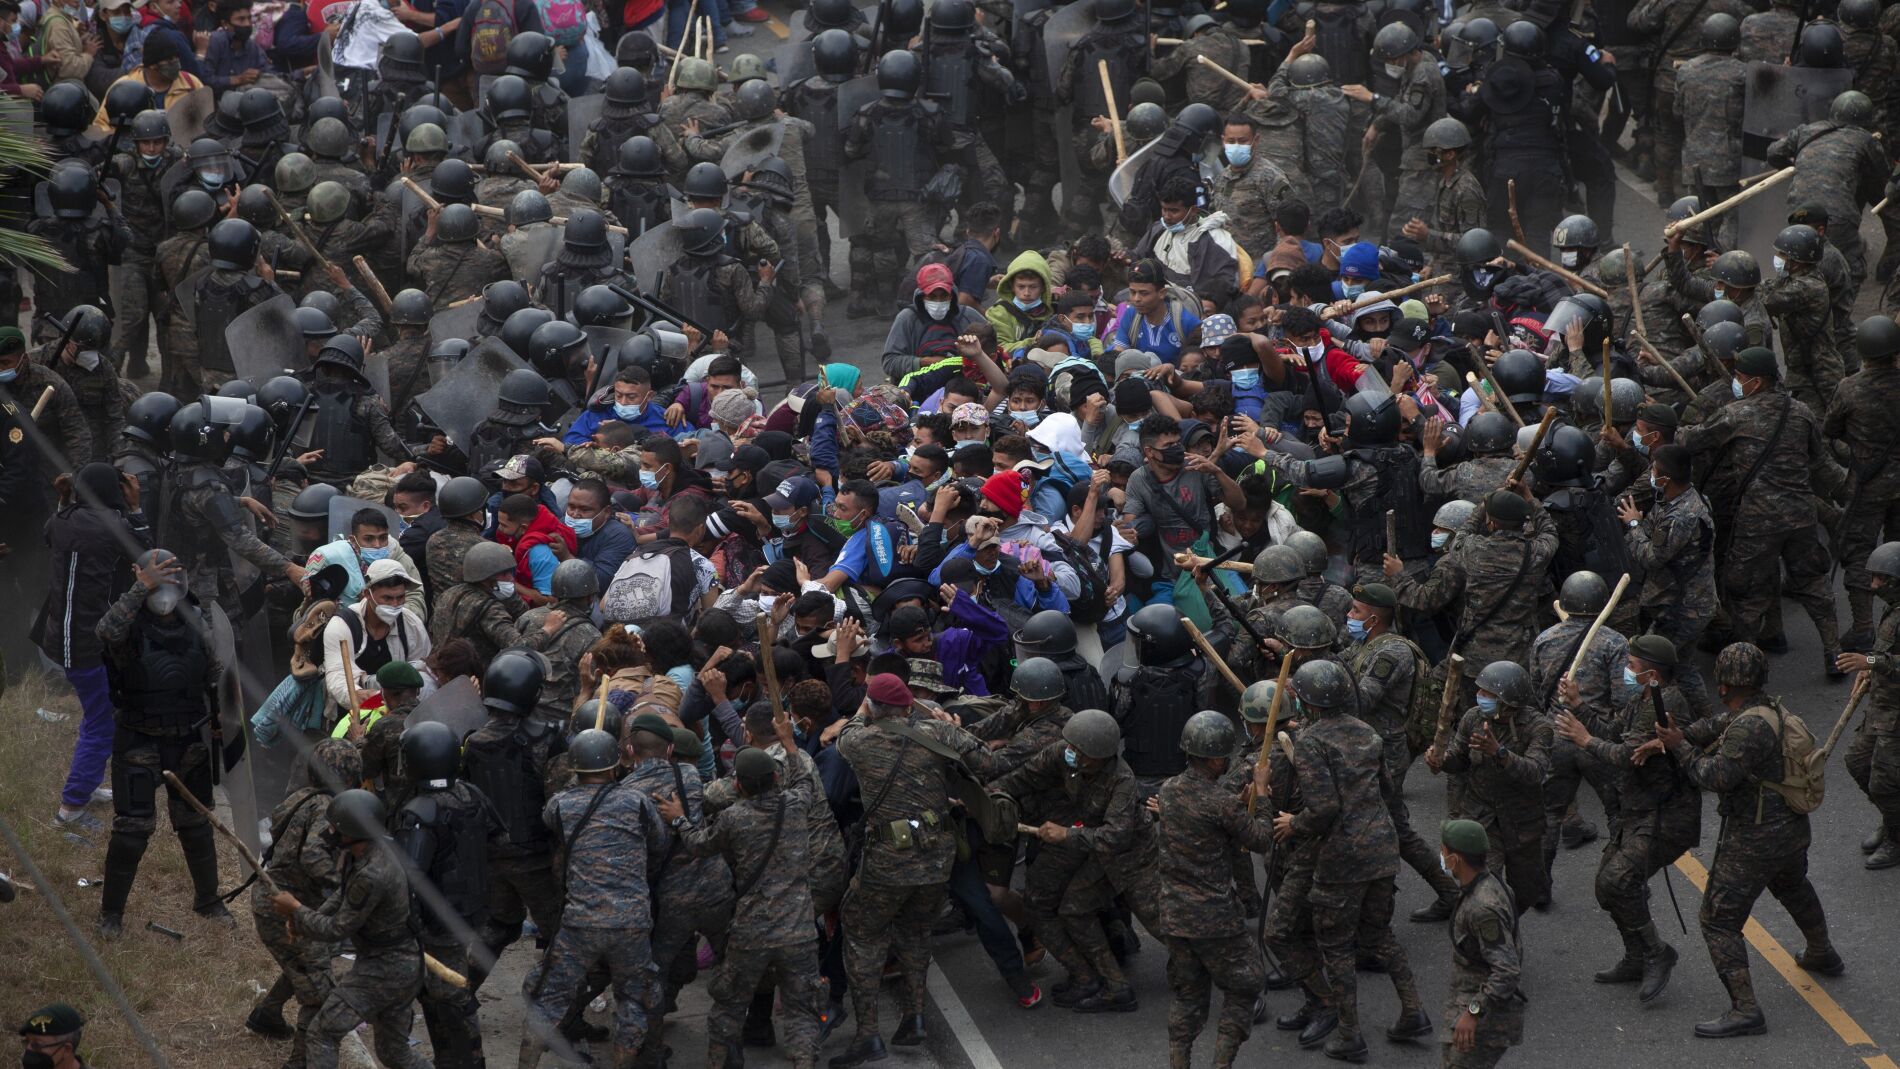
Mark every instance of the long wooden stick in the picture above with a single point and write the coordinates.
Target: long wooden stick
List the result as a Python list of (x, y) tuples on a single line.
[(1472, 382), (1636, 296), (1114, 113), (493, 212), (1392, 532), (525, 167), (1517, 227), (428, 201), (1882, 206), (1596, 625), (673, 73), (1607, 392), (1279, 694), (1238, 81), (374, 285), (39, 406), (1524, 462), (1207, 649), (1175, 42), (1735, 201), (1186, 559), (1396, 295), (770, 670), (1661, 361), (1575, 280), (1861, 687), (296, 231), (1286, 744), (349, 679), (1504, 403), (1448, 700)]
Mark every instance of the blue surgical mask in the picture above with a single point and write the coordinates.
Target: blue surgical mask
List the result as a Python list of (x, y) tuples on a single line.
[(650, 480), (782, 521), (1024, 306), (121, 24), (1352, 289), (1176, 228), (1735, 387), (1135, 425), (1720, 293), (1083, 331), (1070, 757), (373, 555), (1439, 538), (1487, 706), (581, 528), (627, 413), (1246, 379), (1029, 418), (1238, 155), (1629, 678), (1356, 628), (1636, 441), (10, 374), (980, 570)]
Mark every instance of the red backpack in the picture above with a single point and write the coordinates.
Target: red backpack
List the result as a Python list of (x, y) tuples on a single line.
[(493, 23)]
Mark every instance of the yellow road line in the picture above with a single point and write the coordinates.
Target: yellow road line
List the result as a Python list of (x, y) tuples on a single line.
[(1813, 994)]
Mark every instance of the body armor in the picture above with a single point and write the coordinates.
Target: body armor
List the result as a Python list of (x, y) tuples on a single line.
[(447, 839), (638, 203), (197, 544), (1589, 537), (504, 771), (901, 159), (1126, 55), (1397, 469), (950, 79), (700, 295), (161, 690), (339, 429), (816, 101), (1153, 704), (218, 303)]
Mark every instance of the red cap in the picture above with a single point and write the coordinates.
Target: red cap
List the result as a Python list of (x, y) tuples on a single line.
[(935, 277), (1007, 491), (886, 689)]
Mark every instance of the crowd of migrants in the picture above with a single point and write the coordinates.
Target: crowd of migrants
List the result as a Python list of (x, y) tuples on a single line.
[(1223, 465)]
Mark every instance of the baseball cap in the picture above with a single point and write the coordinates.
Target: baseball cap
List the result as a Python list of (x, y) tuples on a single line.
[(750, 458), (935, 277), (906, 621), (386, 570), (521, 466), (970, 414), (58, 1019), (1133, 361), (796, 493)]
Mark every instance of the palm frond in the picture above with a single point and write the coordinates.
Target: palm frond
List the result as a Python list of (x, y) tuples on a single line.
[(20, 149)]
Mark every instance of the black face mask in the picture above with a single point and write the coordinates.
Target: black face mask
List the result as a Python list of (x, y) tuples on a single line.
[(240, 34), (1173, 456), (35, 1059)]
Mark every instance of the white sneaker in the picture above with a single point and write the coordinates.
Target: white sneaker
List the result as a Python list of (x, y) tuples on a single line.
[(103, 796)]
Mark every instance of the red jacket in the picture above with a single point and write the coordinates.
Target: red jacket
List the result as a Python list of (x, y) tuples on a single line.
[(1341, 366), (542, 530)]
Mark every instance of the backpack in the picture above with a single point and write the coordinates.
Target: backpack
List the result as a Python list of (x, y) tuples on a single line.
[(1803, 764), (493, 27), (563, 20), (642, 588), (1421, 709), (1089, 606)]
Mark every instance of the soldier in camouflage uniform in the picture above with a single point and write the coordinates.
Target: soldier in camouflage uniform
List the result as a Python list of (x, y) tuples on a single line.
[(207, 525), (408, 355), (179, 256), (1873, 758), (1672, 547), (1874, 58), (1768, 36), (1861, 417), (899, 225), (1203, 36), (1768, 461), (1249, 188), (302, 862), (1841, 166), (1278, 572), (370, 908), (382, 741), (448, 263), (501, 180), (1599, 677), (610, 836), (1488, 461), (1206, 831), (481, 608), (1343, 789), (1457, 197), (563, 630), (693, 98), (909, 846), (1674, 25), (136, 296), (63, 421), (95, 382), (1708, 103), (1418, 101), (1797, 297), (463, 502), (333, 158), (1305, 128), (773, 937), (1317, 590), (1737, 754), (1486, 960), (1501, 747), (1660, 811), (627, 111)]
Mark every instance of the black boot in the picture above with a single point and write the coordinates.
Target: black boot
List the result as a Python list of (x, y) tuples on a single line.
[(111, 925), (758, 1021), (1107, 1000), (1885, 856), (1823, 959), (910, 1031), (862, 1049), (269, 1023), (1874, 838), (1657, 965), (1299, 1018), (1278, 980), (1345, 1049), (1414, 1024), (201, 861), (1733, 1023), (1439, 910), (1325, 1019), (1071, 991), (1630, 968)]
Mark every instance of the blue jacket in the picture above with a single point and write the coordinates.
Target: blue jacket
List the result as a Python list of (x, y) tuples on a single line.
[(610, 544), (1051, 496), (581, 431)]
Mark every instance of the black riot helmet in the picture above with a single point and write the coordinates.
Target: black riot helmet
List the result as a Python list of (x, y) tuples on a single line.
[(627, 87), (313, 502), (344, 351), (531, 55), (704, 181), (1599, 322), (553, 346), (1198, 118), (602, 306), (457, 224), (431, 756), (1520, 374), (149, 419), (281, 396), (404, 49), (1722, 32), (73, 190), (1489, 434), (1723, 340), (1524, 38), (1476, 246), (512, 684), (640, 158), (125, 98), (499, 301), (1722, 311), (830, 14), (358, 815), (1115, 13), (196, 436), (508, 99), (1820, 45), (1858, 14), (524, 388), (1158, 635), (233, 245), (238, 388), (520, 328), (898, 74), (192, 209), (702, 231), (254, 436), (66, 111), (453, 182), (586, 230), (834, 53), (1394, 40), (1049, 633), (86, 326), (959, 16), (1801, 243), (529, 207), (411, 308), (314, 324), (1371, 420), (1565, 457), (420, 115), (1737, 269), (1038, 679)]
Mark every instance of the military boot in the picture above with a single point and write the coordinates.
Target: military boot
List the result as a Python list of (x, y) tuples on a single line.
[(1119, 999), (1630, 968), (1744, 1016), (269, 1023), (1324, 1020), (1820, 956), (1345, 1048), (1860, 611), (1885, 856), (1412, 1024), (1659, 960), (910, 1031), (1440, 909), (1874, 838), (862, 1049)]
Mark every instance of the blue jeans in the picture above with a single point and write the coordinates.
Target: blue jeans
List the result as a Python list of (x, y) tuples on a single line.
[(676, 20), (94, 746), (968, 889)]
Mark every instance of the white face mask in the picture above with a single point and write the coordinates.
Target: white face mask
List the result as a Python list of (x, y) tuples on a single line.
[(1781, 266), (88, 359), (505, 589), (1394, 72), (937, 309), (1568, 257), (389, 614)]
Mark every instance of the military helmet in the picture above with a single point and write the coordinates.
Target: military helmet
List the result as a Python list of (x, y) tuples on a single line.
[(754, 100), (531, 55), (1309, 71), (1885, 560), (282, 396), (1476, 246), (1820, 45), (704, 181), (453, 180), (957, 16), (461, 496), (1049, 633), (1719, 311), (66, 110), (1147, 121), (328, 202), (260, 112), (574, 578), (1371, 420), (1489, 434), (1209, 734), (501, 299), (481, 563), (508, 98), (431, 756), (1508, 681), (1743, 664), (830, 13), (1394, 39), (1520, 374), (1721, 32), (86, 326), (774, 179), (403, 46), (1575, 232), (1447, 133), (1800, 243), (1199, 119), (1723, 340), (553, 345), (127, 97), (1158, 635), (586, 230), (1256, 702), (1278, 564), (358, 815), (611, 720), (314, 323), (238, 388), (702, 231), (496, 158), (1480, 35), (456, 224), (601, 306), (1524, 38), (1037, 679), (1311, 548), (1094, 733), (295, 173), (1308, 628), (593, 751), (1566, 456), (519, 329), (640, 158), (1611, 266), (1626, 400), (426, 139), (1858, 14), (149, 419), (1852, 108), (342, 350), (834, 53), (626, 87), (254, 435), (1322, 685), (898, 74), (525, 388), (1584, 593), (328, 138), (1877, 338), (233, 245), (582, 183), (148, 125), (195, 436), (1115, 13), (411, 308), (745, 67), (313, 502), (696, 74), (320, 108), (73, 190), (1736, 268)]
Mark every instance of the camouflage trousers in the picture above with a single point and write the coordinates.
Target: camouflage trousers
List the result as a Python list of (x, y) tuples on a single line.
[(1354, 918), (304, 972), (450, 1013), (1755, 557), (1195, 967), (380, 989), (518, 888), (136, 297), (1290, 931), (896, 233), (1873, 760), (793, 970), (1859, 531), (1569, 770), (1417, 192), (555, 982), (1666, 138), (676, 922), (1736, 879), (1636, 851), (1683, 626), (1517, 852), (1419, 855), (882, 920), (1065, 898)]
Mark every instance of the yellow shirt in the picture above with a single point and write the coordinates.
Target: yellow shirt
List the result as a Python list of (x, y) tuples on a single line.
[(180, 88)]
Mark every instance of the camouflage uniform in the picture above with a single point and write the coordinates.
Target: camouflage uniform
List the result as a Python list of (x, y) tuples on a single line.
[(408, 369), (1487, 573), (63, 421), (450, 272), (1770, 522), (382, 754), (1022, 734), (698, 104), (443, 556), (350, 177), (1708, 103), (1467, 480), (1307, 133), (521, 880), (1222, 45), (1861, 417), (1763, 844), (1843, 168), (563, 649), (179, 256), (1343, 787), (691, 894), (773, 936), (371, 909), (1485, 969), (1386, 666), (1875, 61), (1675, 27), (611, 836), (1600, 682), (1289, 927), (1505, 793), (1873, 755), (898, 227), (473, 612), (619, 467), (600, 146), (1672, 548), (524, 246), (1457, 205), (1250, 195), (1328, 597), (1804, 312), (209, 531), (1768, 36), (1247, 660), (144, 200), (1419, 101), (894, 897), (1205, 831), (1111, 847), (99, 394)]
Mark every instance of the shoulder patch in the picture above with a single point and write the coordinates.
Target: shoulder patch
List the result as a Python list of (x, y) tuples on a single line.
[(1489, 928), (1592, 53), (358, 892)]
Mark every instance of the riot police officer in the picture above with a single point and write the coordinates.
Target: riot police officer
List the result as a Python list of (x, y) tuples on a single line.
[(1155, 696), (232, 288), (1051, 634), (897, 135), (201, 519), (349, 420)]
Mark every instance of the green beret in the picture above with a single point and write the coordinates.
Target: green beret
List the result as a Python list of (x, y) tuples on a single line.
[(653, 723), (58, 1019), (1465, 836), (686, 745), (12, 340), (1655, 649), (1506, 507), (399, 674), (1377, 595), (1759, 362), (1658, 415), (754, 764)]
